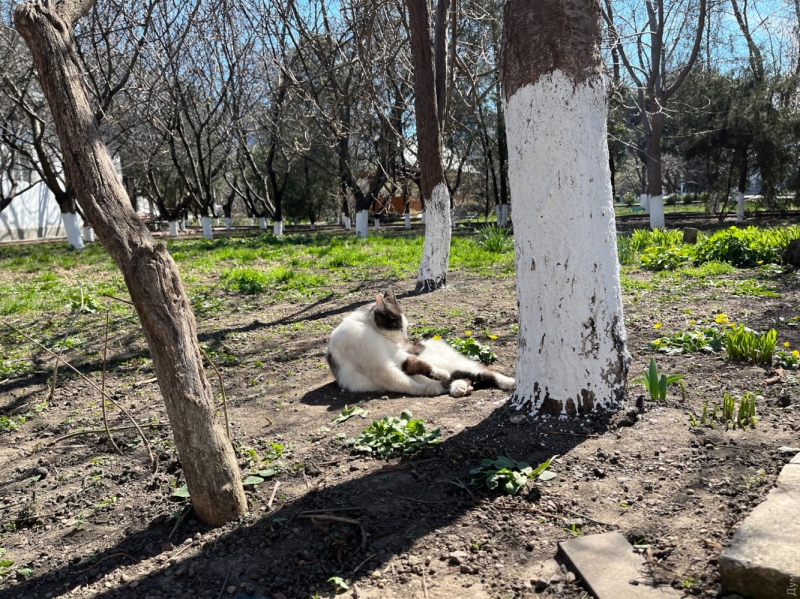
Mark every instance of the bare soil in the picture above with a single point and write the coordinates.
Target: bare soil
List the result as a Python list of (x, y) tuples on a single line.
[(681, 489)]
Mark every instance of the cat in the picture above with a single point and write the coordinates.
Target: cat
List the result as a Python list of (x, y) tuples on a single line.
[(370, 351)]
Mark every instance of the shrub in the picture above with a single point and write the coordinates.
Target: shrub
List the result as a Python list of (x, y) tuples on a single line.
[(746, 247), (393, 435), (660, 258), (629, 198), (705, 340), (671, 199), (746, 345), (506, 474), (473, 350), (495, 239)]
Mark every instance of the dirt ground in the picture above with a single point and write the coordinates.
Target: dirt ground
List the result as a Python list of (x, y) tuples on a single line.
[(678, 488)]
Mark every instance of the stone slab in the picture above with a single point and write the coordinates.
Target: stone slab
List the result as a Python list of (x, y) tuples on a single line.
[(762, 559), (607, 563)]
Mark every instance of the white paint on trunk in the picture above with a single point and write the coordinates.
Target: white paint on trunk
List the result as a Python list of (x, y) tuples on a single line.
[(73, 230), (644, 202), (362, 223), (183, 224), (228, 223), (262, 223), (656, 211), (173, 228), (502, 215), (377, 223), (422, 217), (346, 220), (739, 197), (88, 234), (436, 250), (250, 222), (207, 232), (408, 220), (313, 227), (497, 213), (216, 223), (277, 228), (571, 352)]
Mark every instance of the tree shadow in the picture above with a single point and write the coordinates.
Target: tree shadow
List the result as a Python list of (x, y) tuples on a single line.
[(394, 507)]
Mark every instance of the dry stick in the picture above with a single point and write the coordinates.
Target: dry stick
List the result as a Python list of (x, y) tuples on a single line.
[(222, 388), (272, 497), (424, 586), (153, 461), (420, 500), (591, 519), (103, 388), (180, 520), (99, 430), (105, 558), (222, 590), (364, 562), (119, 299), (587, 435), (336, 509), (331, 518)]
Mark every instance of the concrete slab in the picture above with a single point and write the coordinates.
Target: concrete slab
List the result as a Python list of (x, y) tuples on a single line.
[(608, 564), (761, 561)]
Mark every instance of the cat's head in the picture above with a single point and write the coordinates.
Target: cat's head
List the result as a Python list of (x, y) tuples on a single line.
[(389, 318)]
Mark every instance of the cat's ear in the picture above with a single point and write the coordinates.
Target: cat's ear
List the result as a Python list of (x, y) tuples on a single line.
[(389, 295), (379, 305)]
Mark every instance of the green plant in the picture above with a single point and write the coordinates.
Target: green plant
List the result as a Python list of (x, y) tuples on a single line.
[(728, 405), (506, 474), (747, 411), (790, 360), (425, 332), (758, 479), (746, 247), (245, 280), (657, 386), (393, 435), (575, 531), (704, 416), (473, 349), (700, 340), (338, 584), (7, 424), (495, 239), (658, 258), (746, 345), (349, 413)]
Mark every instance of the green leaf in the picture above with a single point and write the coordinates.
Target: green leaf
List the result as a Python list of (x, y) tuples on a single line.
[(252, 480), (541, 467), (349, 413), (6, 563), (547, 475), (26, 572), (266, 473), (181, 493), (504, 462)]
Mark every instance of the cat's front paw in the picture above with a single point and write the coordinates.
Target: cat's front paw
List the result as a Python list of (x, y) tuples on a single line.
[(506, 383), (439, 374), (460, 388)]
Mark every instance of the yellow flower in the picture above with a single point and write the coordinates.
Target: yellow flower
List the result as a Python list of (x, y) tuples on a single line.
[(785, 344), (657, 325), (692, 321), (721, 318), (492, 337), (437, 337), (796, 353), (760, 262), (468, 333)]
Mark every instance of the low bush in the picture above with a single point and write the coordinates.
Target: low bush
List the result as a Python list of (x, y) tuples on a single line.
[(746, 247), (495, 239), (393, 435), (746, 345)]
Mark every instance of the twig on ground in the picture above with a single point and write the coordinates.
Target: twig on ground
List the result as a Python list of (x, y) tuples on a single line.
[(153, 460), (420, 500), (587, 435), (138, 384), (103, 390), (424, 584), (99, 430), (222, 590), (105, 558), (369, 557), (119, 299), (331, 518), (335, 509), (272, 497), (222, 389), (591, 519), (181, 518)]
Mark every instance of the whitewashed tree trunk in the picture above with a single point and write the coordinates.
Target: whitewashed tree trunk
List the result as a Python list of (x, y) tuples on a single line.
[(571, 355), (250, 222), (72, 229), (216, 222), (346, 220), (422, 217), (436, 250), (262, 223), (377, 223), (644, 202), (739, 196), (504, 214), (362, 223), (407, 218), (88, 234), (207, 232), (656, 204), (497, 215), (173, 228), (228, 223), (312, 227), (277, 228), (182, 224)]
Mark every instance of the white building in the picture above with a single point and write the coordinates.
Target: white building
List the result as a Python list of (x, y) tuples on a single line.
[(32, 215)]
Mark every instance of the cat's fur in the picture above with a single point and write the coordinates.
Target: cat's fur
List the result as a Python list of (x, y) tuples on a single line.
[(370, 351)]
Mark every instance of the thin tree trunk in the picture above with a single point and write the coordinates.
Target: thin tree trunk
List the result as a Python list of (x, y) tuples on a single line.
[(433, 187), (571, 355), (207, 457), (654, 189)]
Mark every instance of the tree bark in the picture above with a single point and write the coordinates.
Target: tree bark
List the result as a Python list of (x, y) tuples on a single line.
[(433, 187), (571, 355), (152, 278)]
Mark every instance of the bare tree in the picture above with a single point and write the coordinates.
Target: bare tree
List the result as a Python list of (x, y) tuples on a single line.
[(209, 463), (658, 42), (571, 356)]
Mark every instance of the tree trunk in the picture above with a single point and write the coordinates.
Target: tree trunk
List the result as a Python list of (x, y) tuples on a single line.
[(654, 191), (502, 157), (571, 356), (152, 278), (433, 187)]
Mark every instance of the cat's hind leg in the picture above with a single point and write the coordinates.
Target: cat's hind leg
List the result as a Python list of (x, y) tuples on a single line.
[(460, 388)]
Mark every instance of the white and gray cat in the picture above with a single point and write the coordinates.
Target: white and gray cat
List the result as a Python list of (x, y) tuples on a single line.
[(370, 351)]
